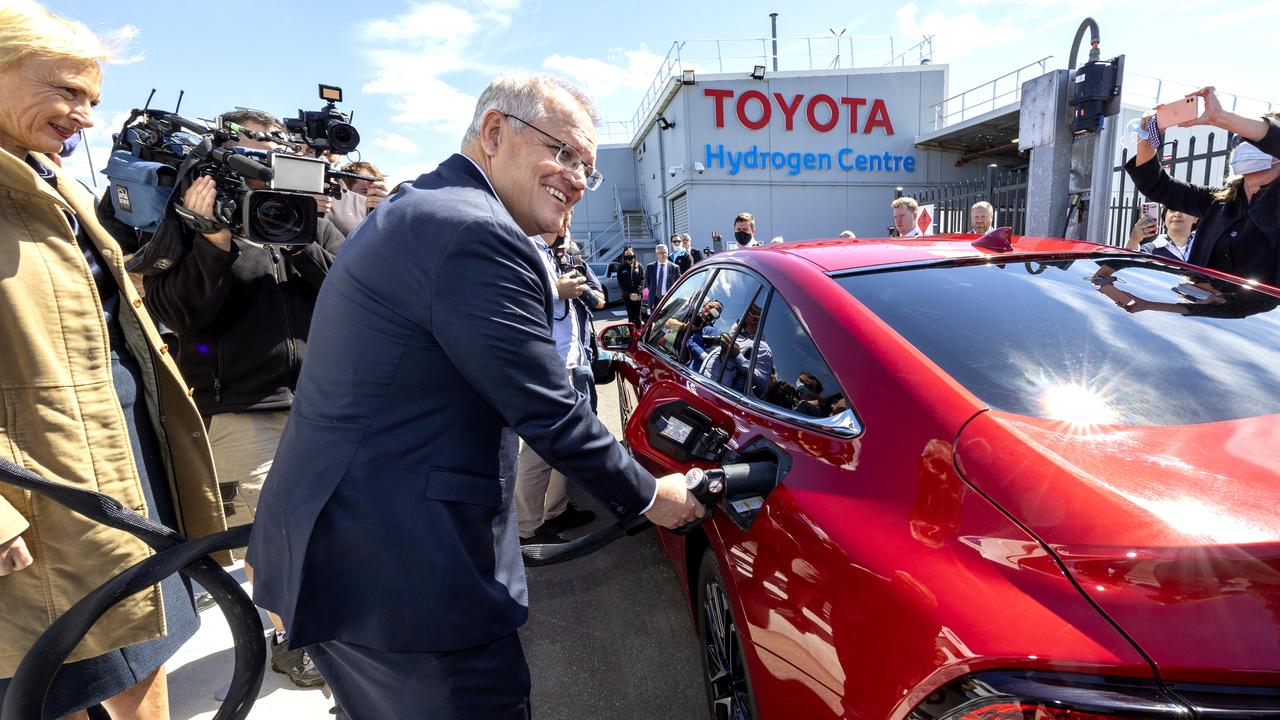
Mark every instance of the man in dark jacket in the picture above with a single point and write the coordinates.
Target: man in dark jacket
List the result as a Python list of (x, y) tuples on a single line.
[(242, 312), (659, 276), (387, 533), (631, 282)]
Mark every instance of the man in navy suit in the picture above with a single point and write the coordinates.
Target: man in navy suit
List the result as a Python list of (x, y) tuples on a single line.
[(386, 532), (659, 276)]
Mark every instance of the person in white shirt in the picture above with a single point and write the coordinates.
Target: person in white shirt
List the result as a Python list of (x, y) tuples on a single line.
[(1174, 243)]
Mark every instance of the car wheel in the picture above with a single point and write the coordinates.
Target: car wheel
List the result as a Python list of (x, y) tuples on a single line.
[(724, 665)]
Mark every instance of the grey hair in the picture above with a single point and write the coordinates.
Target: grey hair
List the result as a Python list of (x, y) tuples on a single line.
[(524, 94)]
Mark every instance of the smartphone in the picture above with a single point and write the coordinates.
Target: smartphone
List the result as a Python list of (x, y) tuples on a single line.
[(1150, 212), (1178, 111), (1192, 292)]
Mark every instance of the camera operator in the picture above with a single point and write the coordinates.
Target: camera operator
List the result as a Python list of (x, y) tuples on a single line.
[(359, 197), (543, 509), (242, 312)]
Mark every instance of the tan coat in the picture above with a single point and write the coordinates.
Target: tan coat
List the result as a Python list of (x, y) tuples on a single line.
[(60, 417)]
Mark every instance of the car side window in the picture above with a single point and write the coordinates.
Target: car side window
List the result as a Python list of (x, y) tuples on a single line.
[(669, 320), (798, 379), (719, 344)]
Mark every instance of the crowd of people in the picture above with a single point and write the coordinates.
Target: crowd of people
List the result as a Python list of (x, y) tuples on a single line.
[(432, 390)]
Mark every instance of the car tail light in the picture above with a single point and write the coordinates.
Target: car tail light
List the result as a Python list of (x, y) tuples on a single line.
[(1009, 695)]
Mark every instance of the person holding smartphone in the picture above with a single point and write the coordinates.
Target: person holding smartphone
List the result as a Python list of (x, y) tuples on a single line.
[(1239, 228), (1174, 243)]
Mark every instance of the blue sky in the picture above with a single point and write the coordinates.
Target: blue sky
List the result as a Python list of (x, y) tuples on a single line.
[(411, 70)]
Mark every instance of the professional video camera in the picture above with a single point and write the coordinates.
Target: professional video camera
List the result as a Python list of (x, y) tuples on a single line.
[(157, 154), (326, 128)]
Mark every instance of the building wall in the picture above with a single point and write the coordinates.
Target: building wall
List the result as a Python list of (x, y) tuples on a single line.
[(821, 187)]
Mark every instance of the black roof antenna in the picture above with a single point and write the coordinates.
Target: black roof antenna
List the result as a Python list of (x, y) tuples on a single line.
[(179, 105)]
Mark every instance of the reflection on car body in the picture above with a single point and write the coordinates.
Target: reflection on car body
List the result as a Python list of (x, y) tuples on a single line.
[(1011, 476)]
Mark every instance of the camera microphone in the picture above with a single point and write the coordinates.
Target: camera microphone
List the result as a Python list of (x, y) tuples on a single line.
[(249, 168)]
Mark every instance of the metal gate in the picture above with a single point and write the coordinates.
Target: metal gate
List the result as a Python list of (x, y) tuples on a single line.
[(1006, 190), (680, 213), (1181, 161)]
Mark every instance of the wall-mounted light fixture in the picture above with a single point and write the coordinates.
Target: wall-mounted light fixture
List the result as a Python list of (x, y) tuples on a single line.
[(757, 72), (686, 77), (665, 124)]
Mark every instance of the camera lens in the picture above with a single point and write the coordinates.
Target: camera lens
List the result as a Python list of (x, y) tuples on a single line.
[(277, 218), (343, 138)]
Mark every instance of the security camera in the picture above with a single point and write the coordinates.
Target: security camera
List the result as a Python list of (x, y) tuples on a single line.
[(675, 170), (699, 168)]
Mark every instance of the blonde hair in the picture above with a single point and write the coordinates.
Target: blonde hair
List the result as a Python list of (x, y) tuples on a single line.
[(28, 29), (983, 204), (1235, 183), (909, 202)]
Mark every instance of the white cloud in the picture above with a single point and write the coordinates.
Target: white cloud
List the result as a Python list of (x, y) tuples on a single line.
[(119, 42), (624, 71), (396, 143), (95, 149), (413, 52), (955, 36)]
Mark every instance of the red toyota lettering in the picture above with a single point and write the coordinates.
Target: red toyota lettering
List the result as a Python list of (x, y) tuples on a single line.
[(853, 104), (833, 112), (878, 117), (789, 111), (766, 110), (720, 96)]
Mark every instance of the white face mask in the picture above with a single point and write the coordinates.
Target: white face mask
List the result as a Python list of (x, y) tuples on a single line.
[(1247, 158)]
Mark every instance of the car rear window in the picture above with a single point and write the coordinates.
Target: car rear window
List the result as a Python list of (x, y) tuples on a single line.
[(1117, 340)]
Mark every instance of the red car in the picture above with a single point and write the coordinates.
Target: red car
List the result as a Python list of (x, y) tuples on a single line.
[(1039, 483)]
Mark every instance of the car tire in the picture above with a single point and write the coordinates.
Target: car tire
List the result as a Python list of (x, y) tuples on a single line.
[(724, 663)]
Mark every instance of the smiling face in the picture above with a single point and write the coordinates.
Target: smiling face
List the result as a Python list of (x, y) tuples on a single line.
[(1178, 224), (45, 102), (534, 187)]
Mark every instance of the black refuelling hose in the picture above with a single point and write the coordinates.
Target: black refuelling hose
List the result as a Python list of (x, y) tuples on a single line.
[(174, 553), (708, 486)]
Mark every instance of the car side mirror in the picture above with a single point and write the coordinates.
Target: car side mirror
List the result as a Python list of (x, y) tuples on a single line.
[(617, 337)]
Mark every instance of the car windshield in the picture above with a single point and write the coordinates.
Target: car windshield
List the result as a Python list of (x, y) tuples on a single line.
[(1114, 340)]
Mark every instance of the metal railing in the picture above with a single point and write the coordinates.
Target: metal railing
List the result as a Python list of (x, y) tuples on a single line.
[(794, 53), (1147, 92), (1004, 90), (1006, 190)]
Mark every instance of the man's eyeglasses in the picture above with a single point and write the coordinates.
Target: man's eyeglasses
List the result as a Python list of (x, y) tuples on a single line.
[(568, 157)]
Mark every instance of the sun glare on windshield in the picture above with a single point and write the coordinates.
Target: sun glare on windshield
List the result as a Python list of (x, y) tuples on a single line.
[(1076, 405)]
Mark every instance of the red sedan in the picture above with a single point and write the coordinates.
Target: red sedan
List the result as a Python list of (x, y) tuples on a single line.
[(1039, 483)]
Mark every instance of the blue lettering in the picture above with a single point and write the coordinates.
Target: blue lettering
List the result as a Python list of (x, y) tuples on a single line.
[(861, 163), (751, 160), (824, 161), (810, 161), (735, 162), (779, 161), (793, 162), (876, 163), (718, 155), (844, 164), (909, 163)]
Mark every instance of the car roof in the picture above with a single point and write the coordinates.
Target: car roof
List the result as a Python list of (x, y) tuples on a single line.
[(839, 254)]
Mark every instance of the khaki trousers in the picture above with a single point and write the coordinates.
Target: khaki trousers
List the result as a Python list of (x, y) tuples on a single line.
[(244, 444)]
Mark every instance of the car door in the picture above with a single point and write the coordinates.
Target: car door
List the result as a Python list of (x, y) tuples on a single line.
[(785, 404)]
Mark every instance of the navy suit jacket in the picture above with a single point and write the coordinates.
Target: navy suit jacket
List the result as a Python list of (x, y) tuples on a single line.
[(651, 280), (387, 519)]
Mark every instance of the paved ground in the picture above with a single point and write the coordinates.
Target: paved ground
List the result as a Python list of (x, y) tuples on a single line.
[(609, 636)]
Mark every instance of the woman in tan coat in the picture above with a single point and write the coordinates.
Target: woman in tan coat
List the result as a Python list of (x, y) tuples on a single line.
[(88, 394)]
